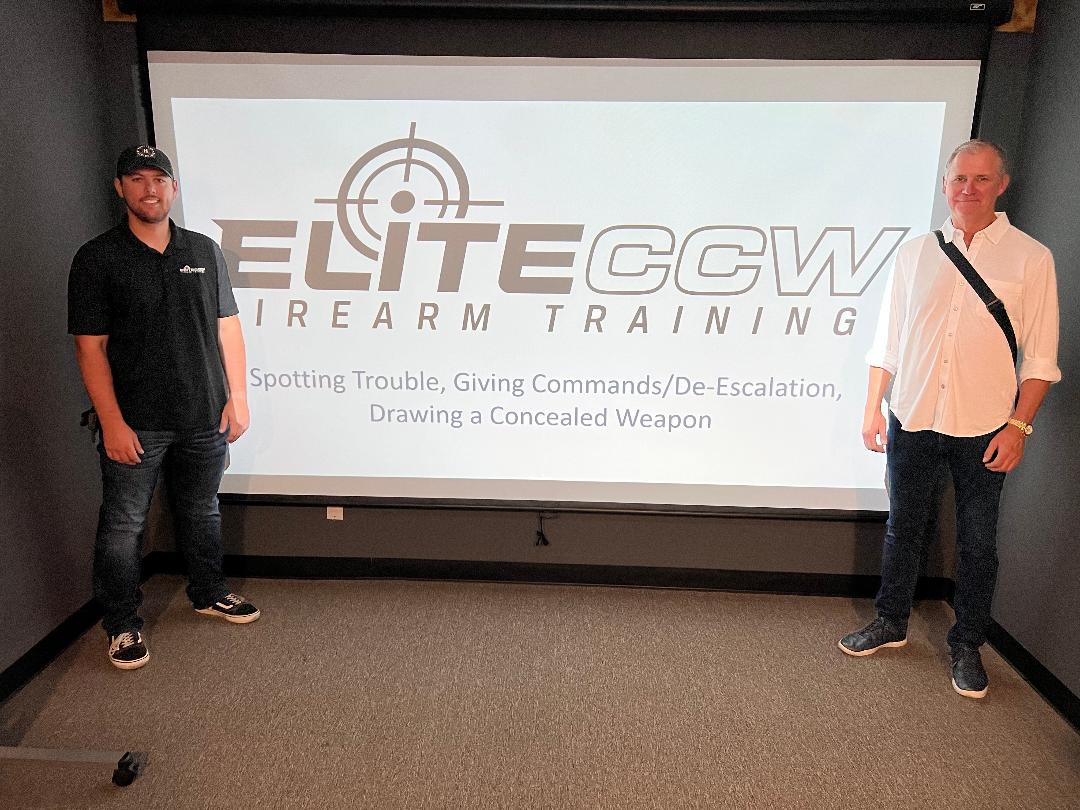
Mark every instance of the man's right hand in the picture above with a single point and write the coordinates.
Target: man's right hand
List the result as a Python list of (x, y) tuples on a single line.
[(875, 434), (121, 443)]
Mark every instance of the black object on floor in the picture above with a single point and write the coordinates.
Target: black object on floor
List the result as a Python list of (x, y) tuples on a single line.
[(129, 764)]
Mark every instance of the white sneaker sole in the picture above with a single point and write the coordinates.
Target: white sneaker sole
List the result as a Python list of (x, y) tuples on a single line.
[(234, 619), (969, 693), (138, 662), (899, 643)]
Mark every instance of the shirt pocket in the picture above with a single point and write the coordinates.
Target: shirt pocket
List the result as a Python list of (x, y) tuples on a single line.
[(1011, 295)]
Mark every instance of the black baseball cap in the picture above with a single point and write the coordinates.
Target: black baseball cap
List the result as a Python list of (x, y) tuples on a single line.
[(143, 157)]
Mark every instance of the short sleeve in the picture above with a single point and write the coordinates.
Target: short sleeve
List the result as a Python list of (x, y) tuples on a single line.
[(88, 296), (226, 302)]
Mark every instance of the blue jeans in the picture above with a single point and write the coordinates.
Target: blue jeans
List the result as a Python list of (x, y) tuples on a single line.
[(914, 461), (193, 465)]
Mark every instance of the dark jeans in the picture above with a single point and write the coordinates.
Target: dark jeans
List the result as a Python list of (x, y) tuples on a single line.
[(193, 465), (914, 461)]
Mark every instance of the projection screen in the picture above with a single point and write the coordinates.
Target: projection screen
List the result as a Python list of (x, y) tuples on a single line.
[(561, 281)]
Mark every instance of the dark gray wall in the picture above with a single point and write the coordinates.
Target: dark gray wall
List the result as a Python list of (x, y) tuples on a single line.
[(1038, 596), (1002, 100), (58, 140)]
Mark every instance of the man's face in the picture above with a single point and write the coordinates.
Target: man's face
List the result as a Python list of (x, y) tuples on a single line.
[(972, 184), (148, 194)]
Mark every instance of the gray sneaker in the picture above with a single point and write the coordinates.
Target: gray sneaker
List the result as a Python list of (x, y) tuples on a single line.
[(968, 676), (879, 633), (127, 650)]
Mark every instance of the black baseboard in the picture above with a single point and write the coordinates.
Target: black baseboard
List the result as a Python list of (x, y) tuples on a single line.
[(803, 584), (45, 651), (63, 636), (1043, 680)]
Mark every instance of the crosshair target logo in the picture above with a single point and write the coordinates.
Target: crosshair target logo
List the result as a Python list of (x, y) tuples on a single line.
[(400, 174)]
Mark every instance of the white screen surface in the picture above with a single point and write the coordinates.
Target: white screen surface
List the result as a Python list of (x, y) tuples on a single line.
[(586, 281)]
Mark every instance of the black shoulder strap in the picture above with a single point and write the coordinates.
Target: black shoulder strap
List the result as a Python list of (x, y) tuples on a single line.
[(982, 289)]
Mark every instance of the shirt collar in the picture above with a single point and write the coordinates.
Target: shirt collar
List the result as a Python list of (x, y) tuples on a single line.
[(176, 237), (994, 231)]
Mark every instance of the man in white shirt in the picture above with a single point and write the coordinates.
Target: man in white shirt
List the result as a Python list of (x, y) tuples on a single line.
[(954, 386)]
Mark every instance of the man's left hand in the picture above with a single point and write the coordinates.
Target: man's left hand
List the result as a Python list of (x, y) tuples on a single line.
[(234, 420), (1005, 450)]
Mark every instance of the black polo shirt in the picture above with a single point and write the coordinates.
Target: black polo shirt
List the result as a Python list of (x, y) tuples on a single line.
[(160, 311)]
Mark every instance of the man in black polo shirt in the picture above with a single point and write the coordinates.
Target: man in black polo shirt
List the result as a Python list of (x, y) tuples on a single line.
[(160, 349)]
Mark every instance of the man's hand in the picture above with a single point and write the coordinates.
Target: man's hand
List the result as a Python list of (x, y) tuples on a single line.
[(234, 419), (1005, 450), (875, 433), (121, 442)]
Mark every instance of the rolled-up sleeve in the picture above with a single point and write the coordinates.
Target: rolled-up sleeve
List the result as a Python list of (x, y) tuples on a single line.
[(1039, 338), (885, 349)]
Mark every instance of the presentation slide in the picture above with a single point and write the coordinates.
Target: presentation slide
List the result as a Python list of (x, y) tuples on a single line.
[(609, 282)]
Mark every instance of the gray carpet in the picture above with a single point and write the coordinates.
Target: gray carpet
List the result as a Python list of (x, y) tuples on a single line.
[(389, 694)]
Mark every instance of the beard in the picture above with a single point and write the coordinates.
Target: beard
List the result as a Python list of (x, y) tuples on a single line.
[(150, 214), (147, 212)]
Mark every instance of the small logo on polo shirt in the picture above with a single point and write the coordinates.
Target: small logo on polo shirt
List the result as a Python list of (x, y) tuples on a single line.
[(187, 268)]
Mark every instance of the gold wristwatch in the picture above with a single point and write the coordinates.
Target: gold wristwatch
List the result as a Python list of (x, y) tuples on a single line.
[(1024, 427)]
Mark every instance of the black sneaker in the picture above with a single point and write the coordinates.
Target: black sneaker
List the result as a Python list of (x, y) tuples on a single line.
[(127, 650), (879, 633), (232, 608), (968, 676)]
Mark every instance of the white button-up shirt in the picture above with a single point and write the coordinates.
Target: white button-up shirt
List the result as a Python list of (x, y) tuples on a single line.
[(951, 365)]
